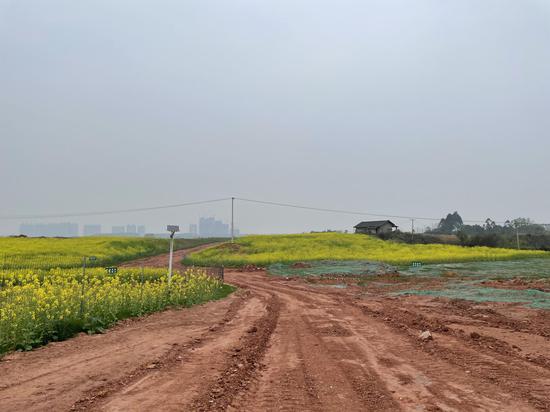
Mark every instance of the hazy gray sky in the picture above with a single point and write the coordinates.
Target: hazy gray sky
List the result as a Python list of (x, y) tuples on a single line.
[(391, 106)]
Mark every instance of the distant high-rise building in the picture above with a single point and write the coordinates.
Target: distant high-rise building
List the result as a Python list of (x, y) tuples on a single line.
[(129, 230), (91, 230), (119, 230), (210, 227), (49, 229), (193, 229)]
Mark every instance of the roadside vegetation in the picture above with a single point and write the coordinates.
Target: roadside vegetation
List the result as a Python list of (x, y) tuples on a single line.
[(39, 306), (46, 253), (263, 250), (452, 229)]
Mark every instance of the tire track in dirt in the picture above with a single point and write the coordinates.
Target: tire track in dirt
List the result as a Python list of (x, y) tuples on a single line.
[(416, 378), (492, 362), (301, 372), (174, 388), (245, 363), (176, 355), (400, 370), (293, 375), (354, 385), (56, 376), (536, 325), (337, 348)]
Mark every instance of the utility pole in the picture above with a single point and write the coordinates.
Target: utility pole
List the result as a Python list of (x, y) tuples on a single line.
[(232, 220), (412, 229), (172, 229), (517, 235)]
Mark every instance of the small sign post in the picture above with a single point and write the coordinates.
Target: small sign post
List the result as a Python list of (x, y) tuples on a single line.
[(172, 229), (84, 259)]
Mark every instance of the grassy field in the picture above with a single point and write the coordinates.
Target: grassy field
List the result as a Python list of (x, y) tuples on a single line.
[(45, 253), (264, 250), (39, 306)]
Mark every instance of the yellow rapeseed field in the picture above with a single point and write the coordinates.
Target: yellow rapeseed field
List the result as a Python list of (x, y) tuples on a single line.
[(263, 250), (40, 306), (46, 253)]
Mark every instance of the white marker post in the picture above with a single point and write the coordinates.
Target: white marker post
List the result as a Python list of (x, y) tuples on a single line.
[(172, 229), (232, 220)]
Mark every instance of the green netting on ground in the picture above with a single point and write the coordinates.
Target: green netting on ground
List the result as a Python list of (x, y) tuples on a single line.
[(473, 290), (531, 268), (456, 288), (532, 298), (330, 268), (534, 268)]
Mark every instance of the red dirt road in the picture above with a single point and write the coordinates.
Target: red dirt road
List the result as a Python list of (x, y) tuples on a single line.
[(291, 345), (161, 261)]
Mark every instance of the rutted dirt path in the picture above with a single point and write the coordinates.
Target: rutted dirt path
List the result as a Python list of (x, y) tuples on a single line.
[(161, 261), (333, 351), (288, 345)]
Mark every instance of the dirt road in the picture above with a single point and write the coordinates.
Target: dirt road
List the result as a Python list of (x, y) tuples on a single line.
[(292, 345), (161, 261)]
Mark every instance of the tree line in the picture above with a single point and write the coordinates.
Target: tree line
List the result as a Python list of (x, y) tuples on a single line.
[(522, 232)]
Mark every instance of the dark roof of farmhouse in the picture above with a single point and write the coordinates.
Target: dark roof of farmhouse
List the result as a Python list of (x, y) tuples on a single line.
[(374, 224)]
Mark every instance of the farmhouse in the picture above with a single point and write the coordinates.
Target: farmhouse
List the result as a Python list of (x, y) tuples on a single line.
[(375, 227)]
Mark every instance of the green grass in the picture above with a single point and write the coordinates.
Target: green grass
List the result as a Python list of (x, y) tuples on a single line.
[(224, 291), (263, 250), (45, 253)]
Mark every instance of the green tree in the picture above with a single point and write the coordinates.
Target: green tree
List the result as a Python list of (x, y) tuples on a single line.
[(450, 224)]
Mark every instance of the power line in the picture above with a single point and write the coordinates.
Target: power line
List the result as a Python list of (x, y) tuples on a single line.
[(350, 212), (110, 212), (320, 209), (263, 202)]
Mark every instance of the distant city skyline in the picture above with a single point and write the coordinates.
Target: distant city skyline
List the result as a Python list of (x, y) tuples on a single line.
[(204, 227), (71, 229), (49, 229), (91, 230), (130, 229)]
